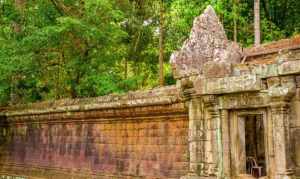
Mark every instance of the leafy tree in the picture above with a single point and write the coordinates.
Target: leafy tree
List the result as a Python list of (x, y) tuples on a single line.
[(51, 49)]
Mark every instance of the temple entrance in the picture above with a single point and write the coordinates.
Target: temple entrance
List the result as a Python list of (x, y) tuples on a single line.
[(255, 146), (248, 144)]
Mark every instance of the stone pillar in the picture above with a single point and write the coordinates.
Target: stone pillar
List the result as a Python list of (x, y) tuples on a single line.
[(204, 138), (213, 142), (280, 113), (195, 134), (224, 163), (194, 138)]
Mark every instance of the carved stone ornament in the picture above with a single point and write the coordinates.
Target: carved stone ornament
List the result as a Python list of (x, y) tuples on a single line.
[(207, 51)]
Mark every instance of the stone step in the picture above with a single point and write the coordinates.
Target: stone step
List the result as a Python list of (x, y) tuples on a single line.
[(247, 176)]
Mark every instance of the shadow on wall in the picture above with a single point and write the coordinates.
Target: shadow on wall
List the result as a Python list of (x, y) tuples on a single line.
[(4, 137)]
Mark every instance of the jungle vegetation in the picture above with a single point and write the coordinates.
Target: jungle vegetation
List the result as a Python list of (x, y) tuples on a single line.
[(52, 49)]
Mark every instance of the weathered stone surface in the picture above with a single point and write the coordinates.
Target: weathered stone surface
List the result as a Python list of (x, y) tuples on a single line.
[(298, 81), (286, 87), (207, 42), (212, 69), (225, 85), (135, 146), (289, 67), (158, 96), (241, 69), (273, 82), (244, 100), (271, 48), (197, 177), (137, 135), (266, 70)]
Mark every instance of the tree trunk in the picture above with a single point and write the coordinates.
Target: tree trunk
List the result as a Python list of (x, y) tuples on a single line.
[(256, 22), (266, 7), (17, 26), (235, 33), (234, 30), (125, 68), (20, 3), (161, 44)]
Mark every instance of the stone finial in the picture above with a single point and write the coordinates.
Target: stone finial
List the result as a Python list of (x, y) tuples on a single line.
[(206, 47)]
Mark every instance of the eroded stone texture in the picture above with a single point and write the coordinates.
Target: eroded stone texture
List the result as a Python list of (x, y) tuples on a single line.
[(207, 50), (125, 148), (137, 135), (243, 83)]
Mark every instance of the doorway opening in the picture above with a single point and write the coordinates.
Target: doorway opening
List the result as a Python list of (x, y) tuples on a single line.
[(255, 146)]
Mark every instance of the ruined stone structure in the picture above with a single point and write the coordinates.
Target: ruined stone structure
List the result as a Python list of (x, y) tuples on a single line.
[(234, 114), (244, 108)]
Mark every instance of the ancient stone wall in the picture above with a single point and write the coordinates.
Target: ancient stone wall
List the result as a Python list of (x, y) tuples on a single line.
[(138, 135)]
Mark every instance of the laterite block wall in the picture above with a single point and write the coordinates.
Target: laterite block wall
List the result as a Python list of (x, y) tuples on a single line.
[(138, 135)]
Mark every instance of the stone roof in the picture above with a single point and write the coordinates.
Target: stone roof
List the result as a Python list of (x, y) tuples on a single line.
[(266, 53)]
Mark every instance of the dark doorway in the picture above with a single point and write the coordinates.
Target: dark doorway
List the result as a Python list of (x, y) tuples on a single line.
[(255, 146)]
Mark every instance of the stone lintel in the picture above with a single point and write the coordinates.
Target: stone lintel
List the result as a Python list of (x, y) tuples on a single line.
[(234, 84), (250, 79), (244, 100), (275, 96)]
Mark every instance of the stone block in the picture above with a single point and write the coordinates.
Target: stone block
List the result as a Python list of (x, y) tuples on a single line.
[(298, 81), (235, 84), (213, 69), (273, 81), (266, 70), (240, 69), (289, 67)]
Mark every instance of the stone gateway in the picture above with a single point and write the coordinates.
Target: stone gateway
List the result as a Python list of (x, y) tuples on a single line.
[(233, 114)]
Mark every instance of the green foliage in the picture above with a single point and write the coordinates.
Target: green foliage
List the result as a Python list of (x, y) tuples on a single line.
[(51, 49)]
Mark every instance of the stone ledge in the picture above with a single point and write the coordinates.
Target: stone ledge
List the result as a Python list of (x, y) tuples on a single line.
[(273, 47), (159, 96), (197, 177)]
